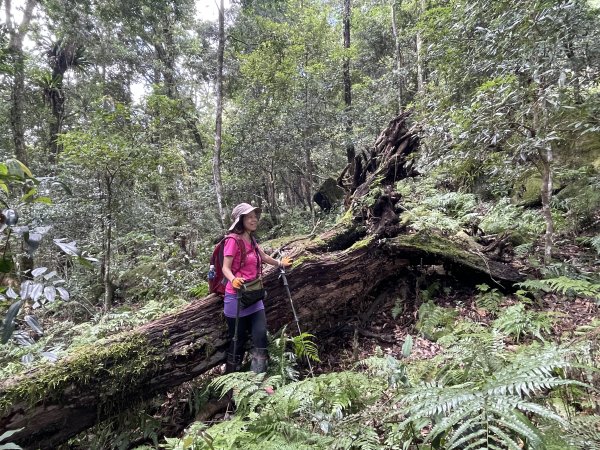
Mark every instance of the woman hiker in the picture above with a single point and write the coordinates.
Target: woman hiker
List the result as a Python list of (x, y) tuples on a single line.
[(252, 319)]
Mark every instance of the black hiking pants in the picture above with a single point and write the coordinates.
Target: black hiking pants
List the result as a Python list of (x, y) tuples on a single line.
[(254, 325)]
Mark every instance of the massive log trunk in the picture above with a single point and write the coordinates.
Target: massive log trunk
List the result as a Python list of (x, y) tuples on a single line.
[(332, 273)]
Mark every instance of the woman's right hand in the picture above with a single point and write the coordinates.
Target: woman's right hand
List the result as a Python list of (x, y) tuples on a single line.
[(237, 282)]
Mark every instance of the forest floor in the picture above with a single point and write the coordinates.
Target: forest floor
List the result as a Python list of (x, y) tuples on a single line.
[(568, 314)]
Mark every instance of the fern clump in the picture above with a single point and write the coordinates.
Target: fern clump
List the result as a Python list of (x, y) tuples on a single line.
[(284, 352), (517, 322), (504, 216), (487, 400), (427, 207), (488, 298), (312, 413), (435, 321)]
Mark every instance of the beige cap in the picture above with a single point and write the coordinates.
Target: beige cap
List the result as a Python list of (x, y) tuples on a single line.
[(240, 210)]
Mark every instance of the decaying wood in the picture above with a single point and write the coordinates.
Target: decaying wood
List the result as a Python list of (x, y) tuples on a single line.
[(334, 273)]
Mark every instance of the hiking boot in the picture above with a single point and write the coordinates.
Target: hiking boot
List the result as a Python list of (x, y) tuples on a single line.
[(233, 363), (260, 360)]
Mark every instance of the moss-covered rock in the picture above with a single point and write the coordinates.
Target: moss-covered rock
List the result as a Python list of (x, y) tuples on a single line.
[(580, 201), (528, 191)]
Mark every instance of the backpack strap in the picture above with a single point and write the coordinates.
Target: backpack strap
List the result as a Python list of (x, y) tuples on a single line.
[(240, 245), (258, 260)]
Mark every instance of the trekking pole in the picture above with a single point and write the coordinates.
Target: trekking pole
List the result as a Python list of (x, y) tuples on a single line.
[(235, 330), (289, 294)]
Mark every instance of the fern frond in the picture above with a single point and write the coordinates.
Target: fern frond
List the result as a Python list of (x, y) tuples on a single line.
[(517, 321), (503, 438), (519, 424), (584, 432), (248, 389), (367, 439), (386, 367), (304, 346), (564, 285)]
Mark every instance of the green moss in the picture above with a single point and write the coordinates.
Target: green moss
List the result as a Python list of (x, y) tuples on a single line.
[(318, 242), (362, 243), (347, 218), (274, 244), (113, 370), (437, 245), (303, 259), (529, 191), (580, 201)]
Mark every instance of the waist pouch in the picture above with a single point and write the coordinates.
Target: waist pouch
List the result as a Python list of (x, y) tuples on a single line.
[(251, 292)]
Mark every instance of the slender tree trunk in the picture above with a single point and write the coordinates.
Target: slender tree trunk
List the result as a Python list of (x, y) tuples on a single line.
[(306, 131), (57, 102), (219, 116), (58, 113), (350, 151), (107, 278), (547, 159), (17, 35), (419, 44), (398, 56), (16, 107)]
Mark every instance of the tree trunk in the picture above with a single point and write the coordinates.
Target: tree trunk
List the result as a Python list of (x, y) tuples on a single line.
[(546, 200), (107, 276), (219, 116), (334, 275), (398, 56), (419, 49), (350, 151), (306, 133), (15, 47)]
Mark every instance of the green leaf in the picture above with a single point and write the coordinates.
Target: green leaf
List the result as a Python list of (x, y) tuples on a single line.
[(407, 346), (45, 200), (15, 169), (10, 446), (9, 433), (8, 326), (29, 196), (34, 324), (24, 168), (64, 294), (70, 248), (64, 185), (38, 271), (6, 265)]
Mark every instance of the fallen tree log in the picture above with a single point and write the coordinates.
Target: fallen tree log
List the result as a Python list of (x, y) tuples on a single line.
[(61, 400), (332, 273)]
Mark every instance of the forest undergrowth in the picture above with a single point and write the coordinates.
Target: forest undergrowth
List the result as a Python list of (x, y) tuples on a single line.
[(429, 361), (440, 365)]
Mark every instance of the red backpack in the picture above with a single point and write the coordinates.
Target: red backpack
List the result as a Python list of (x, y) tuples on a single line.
[(216, 279)]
